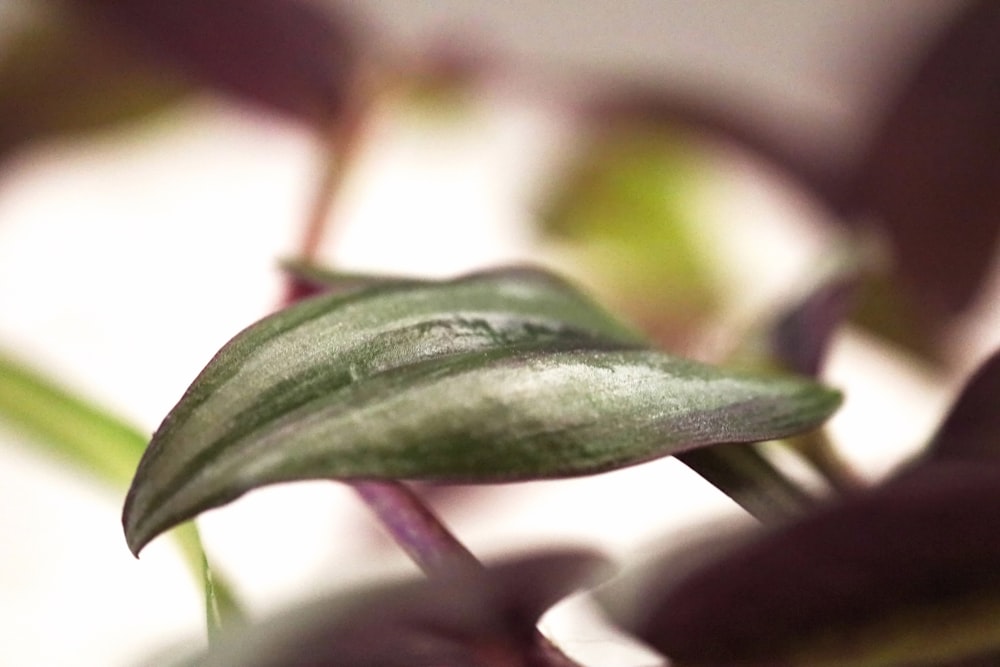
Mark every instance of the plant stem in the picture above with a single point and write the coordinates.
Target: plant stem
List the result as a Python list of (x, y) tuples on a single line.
[(410, 522), (422, 535), (340, 145), (746, 476), (414, 527), (818, 451)]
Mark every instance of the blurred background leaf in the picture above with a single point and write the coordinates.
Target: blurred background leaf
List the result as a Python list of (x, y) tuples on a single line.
[(85, 436), (625, 212), (904, 574), (930, 180), (971, 430), (472, 618), (60, 77), (296, 57)]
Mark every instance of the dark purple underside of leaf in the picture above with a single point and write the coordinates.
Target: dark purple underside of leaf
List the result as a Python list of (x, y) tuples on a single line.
[(925, 539), (294, 56), (932, 174), (802, 336), (472, 618), (971, 431)]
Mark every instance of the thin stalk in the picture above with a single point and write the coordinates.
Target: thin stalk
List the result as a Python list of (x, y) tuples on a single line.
[(820, 453), (222, 609), (435, 549), (746, 476), (415, 527), (341, 145)]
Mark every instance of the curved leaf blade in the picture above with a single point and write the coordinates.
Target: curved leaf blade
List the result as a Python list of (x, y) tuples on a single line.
[(494, 377)]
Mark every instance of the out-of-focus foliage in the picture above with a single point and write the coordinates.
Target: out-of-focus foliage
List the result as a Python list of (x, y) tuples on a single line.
[(60, 77), (904, 574), (626, 211), (293, 56), (971, 432), (469, 618), (86, 436), (932, 173)]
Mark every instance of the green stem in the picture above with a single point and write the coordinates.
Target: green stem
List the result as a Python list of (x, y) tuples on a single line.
[(745, 475), (820, 453), (222, 609)]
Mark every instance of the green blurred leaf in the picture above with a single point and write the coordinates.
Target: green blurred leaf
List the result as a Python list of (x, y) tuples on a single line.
[(905, 574), (88, 437), (71, 428), (493, 377), (625, 210), (222, 610), (59, 77)]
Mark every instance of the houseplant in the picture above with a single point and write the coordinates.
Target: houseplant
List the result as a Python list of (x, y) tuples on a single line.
[(554, 334)]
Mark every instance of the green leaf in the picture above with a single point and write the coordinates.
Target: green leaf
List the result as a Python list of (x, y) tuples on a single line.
[(497, 376), (626, 212), (87, 436), (222, 609), (71, 428)]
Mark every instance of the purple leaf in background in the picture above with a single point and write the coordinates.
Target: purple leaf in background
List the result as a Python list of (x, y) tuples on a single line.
[(802, 335), (971, 431), (294, 56), (59, 79), (906, 574), (476, 618), (932, 173)]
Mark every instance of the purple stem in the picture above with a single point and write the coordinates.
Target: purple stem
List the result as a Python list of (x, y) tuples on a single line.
[(414, 527)]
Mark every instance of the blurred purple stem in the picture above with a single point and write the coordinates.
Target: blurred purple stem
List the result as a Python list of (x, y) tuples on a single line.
[(414, 527)]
